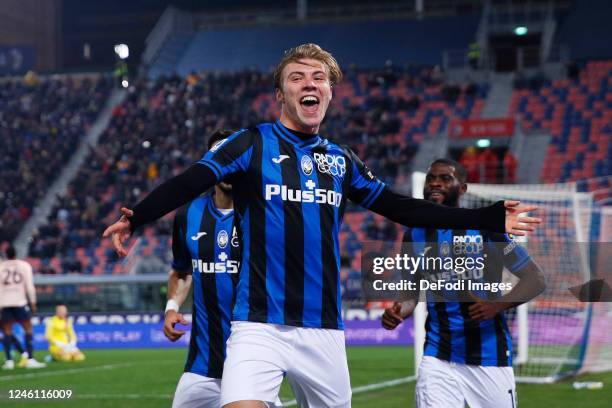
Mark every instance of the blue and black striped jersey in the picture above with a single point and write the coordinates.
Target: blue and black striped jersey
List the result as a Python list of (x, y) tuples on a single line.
[(205, 244), (450, 333), (290, 194)]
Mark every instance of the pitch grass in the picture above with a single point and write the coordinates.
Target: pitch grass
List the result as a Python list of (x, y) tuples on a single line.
[(147, 378)]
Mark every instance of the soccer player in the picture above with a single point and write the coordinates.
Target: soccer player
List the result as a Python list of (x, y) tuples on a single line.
[(204, 249), (468, 348), (16, 290), (291, 187), (62, 338)]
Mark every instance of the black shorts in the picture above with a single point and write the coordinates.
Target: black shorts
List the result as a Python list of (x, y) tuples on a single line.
[(16, 314)]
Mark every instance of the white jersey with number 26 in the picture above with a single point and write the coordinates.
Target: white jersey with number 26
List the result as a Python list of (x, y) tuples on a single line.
[(16, 283)]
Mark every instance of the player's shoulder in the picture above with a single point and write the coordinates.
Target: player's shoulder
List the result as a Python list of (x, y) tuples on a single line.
[(197, 205), (239, 138), (204, 199), (244, 132), (181, 214), (339, 148), (263, 130), (19, 263)]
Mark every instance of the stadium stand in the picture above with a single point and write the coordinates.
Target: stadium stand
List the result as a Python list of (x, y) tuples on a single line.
[(363, 43), (41, 123), (578, 115), (383, 114)]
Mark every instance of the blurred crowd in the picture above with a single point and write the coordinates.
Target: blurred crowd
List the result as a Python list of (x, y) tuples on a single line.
[(41, 124), (489, 166), (159, 129), (162, 125)]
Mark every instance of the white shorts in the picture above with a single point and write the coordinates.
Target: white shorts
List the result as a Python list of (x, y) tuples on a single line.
[(259, 355), (445, 384), (197, 391)]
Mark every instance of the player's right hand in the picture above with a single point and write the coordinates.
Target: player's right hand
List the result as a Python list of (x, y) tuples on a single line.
[(392, 316), (172, 318), (120, 231)]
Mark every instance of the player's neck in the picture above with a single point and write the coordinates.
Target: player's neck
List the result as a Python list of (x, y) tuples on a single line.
[(302, 133), (222, 200)]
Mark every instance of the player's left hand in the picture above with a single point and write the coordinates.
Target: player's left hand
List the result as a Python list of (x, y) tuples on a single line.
[(172, 318), (482, 310), (515, 224)]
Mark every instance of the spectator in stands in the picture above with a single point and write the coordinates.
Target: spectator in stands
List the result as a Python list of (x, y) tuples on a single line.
[(489, 163), (41, 124), (510, 165), (451, 92), (469, 160), (471, 89)]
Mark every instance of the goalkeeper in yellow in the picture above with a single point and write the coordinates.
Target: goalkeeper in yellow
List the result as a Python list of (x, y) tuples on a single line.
[(61, 337)]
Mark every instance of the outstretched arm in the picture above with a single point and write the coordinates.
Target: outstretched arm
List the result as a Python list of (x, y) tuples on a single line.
[(166, 197), (503, 216), (228, 158), (369, 192)]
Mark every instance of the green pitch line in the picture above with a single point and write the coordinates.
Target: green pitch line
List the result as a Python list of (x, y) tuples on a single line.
[(147, 379)]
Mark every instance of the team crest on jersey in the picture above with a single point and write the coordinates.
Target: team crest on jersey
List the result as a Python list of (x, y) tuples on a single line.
[(331, 164), (306, 165), (217, 145), (222, 239)]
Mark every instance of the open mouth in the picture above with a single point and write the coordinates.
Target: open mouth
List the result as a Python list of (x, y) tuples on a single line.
[(310, 103)]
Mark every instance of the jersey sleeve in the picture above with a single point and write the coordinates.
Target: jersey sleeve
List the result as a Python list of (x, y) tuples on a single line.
[(181, 259), (364, 187), (230, 156), (515, 257)]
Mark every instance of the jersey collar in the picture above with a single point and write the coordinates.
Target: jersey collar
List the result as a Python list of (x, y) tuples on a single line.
[(297, 138), (215, 211)]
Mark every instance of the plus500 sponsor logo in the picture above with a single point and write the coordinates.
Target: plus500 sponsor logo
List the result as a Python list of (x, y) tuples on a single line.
[(317, 195), (228, 266)]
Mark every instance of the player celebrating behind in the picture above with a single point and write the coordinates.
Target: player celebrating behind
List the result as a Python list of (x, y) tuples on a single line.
[(202, 244), (291, 188), (468, 348)]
